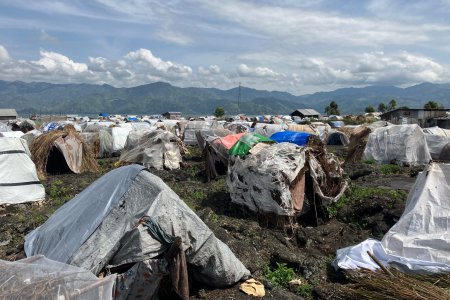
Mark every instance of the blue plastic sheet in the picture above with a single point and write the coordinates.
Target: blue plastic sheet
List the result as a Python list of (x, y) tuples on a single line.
[(298, 138)]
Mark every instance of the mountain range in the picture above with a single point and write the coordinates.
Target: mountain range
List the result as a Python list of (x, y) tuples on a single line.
[(159, 97)]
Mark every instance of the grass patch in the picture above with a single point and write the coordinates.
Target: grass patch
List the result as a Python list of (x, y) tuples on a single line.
[(304, 290), (358, 194), (370, 161), (281, 275), (390, 169)]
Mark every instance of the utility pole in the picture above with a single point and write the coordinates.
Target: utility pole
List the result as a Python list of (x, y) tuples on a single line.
[(239, 98)]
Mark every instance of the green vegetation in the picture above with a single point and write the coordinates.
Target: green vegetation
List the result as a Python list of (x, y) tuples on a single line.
[(358, 194), (432, 105), (382, 107), (369, 109), (392, 105), (370, 161), (390, 169), (281, 275), (332, 109), (305, 290), (219, 112)]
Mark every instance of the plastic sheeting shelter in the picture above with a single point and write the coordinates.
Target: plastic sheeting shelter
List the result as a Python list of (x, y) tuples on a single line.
[(189, 137), (105, 232), (38, 277), (268, 129), (335, 138), (274, 179), (156, 149), (216, 152), (420, 240), (18, 178), (401, 144), (437, 146)]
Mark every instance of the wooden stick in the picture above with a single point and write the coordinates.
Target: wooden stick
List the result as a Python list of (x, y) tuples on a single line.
[(380, 264)]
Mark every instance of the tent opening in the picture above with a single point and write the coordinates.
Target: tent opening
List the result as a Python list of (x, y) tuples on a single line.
[(56, 162)]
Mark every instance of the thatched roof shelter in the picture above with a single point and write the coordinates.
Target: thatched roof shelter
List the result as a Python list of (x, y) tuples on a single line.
[(61, 151)]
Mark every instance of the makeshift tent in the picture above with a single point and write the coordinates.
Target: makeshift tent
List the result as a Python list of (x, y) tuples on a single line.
[(268, 129), (445, 153), (437, 131), (18, 179), (38, 277), (30, 136), (129, 217), (157, 149), (420, 240), (238, 127), (274, 179), (12, 134), (101, 142), (357, 144), (203, 135), (216, 153), (436, 144), (189, 137), (298, 138), (4, 127), (246, 142), (401, 144), (119, 137), (303, 128), (61, 151), (335, 138), (336, 124), (135, 137)]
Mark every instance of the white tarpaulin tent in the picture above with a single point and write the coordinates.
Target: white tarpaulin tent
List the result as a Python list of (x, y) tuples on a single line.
[(401, 144), (38, 277), (18, 178), (436, 144), (420, 240), (99, 228), (189, 137)]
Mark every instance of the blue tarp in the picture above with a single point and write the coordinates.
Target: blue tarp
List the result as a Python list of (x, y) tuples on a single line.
[(298, 138), (103, 115), (51, 126)]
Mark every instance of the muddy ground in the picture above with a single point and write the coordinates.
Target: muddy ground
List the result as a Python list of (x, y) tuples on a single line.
[(372, 204)]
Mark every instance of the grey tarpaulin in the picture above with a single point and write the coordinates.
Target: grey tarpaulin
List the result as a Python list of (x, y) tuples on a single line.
[(269, 181), (97, 228), (156, 149)]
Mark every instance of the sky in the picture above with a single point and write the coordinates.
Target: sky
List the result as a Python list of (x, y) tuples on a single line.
[(298, 46)]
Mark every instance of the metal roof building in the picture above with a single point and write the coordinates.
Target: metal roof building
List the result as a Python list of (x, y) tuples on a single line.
[(8, 114), (306, 113)]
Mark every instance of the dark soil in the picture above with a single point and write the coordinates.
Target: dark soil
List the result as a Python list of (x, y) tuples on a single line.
[(373, 203)]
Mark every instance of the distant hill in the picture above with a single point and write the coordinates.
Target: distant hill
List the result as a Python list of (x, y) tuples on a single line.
[(159, 97)]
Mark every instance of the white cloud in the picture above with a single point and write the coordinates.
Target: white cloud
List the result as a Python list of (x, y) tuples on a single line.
[(301, 74), (4, 55), (58, 63), (212, 69), (261, 72), (45, 37)]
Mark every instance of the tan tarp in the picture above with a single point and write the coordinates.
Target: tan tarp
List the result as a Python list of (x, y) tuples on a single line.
[(72, 149)]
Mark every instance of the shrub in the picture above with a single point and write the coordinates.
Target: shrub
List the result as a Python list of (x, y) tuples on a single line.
[(281, 275)]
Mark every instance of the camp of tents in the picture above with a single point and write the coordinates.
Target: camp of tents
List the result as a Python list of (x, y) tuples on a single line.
[(128, 233)]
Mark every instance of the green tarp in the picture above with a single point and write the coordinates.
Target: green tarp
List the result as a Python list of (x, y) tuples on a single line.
[(246, 142)]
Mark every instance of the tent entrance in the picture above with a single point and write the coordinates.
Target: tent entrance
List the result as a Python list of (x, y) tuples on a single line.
[(56, 162)]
